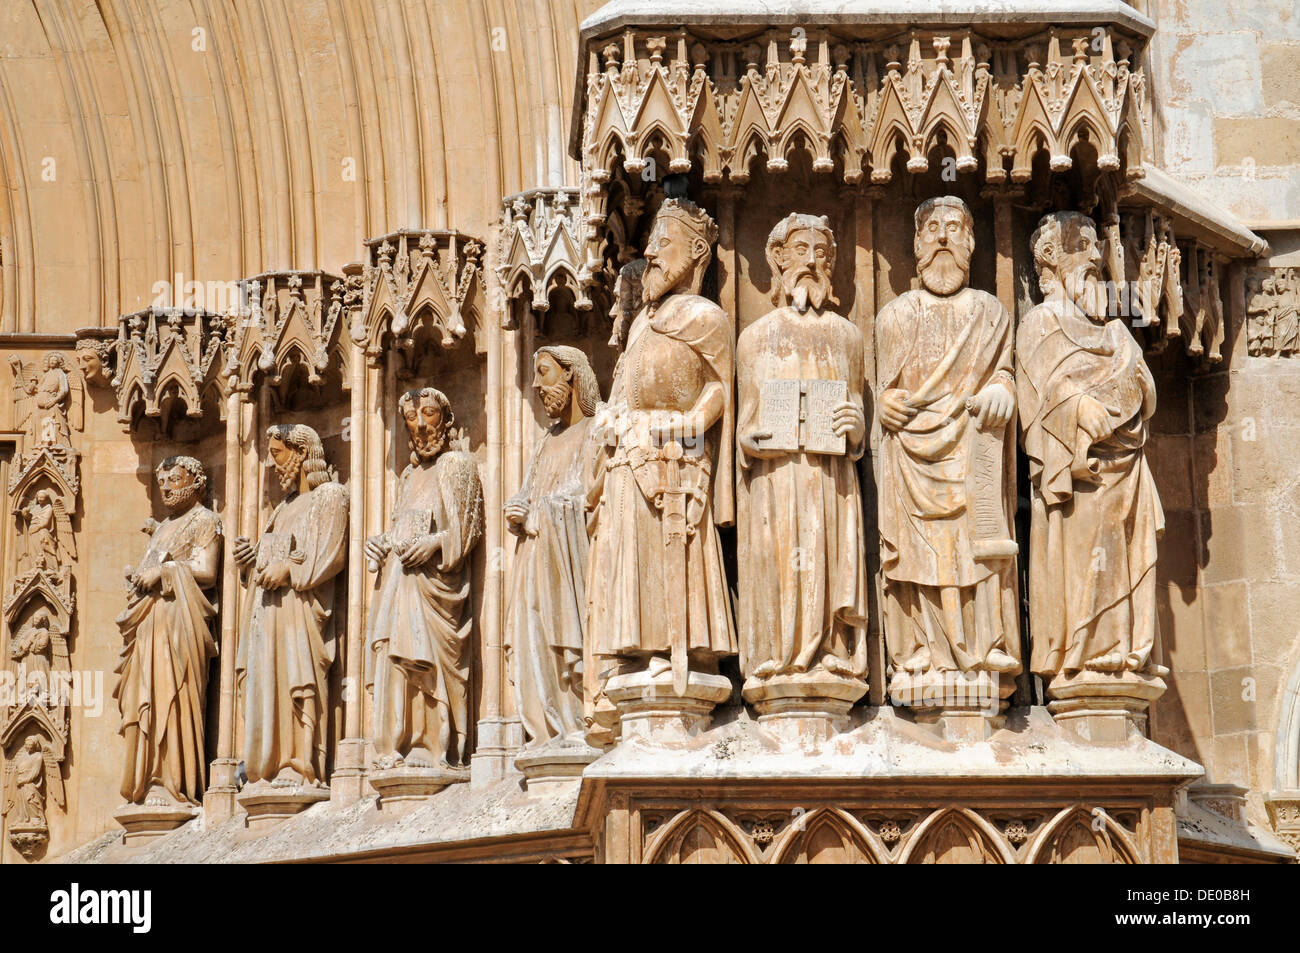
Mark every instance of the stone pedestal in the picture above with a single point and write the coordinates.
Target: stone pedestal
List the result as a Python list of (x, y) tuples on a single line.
[(348, 782), (1104, 707), (28, 839), (267, 803), (804, 709), (406, 784), (219, 800), (650, 711), (551, 766), (1284, 815), (152, 819), (499, 740), (961, 706)]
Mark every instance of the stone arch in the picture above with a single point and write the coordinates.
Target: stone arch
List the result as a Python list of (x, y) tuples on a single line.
[(699, 837), (956, 836), (1074, 837), (827, 836)]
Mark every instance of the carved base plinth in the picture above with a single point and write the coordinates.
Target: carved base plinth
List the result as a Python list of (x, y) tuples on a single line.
[(962, 706), (348, 782), (499, 740), (219, 800), (406, 784), (267, 804), (552, 766), (1104, 707), (28, 839), (805, 708), (652, 713), (146, 822)]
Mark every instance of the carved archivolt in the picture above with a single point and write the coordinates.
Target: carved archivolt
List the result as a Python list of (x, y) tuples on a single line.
[(165, 354), (857, 106), (541, 246), (419, 284), (287, 319)]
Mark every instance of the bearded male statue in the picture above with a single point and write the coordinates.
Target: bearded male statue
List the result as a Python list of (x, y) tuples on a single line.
[(661, 478), (800, 430), (1085, 398), (167, 644), (546, 612), (946, 465), (419, 637), (287, 640)]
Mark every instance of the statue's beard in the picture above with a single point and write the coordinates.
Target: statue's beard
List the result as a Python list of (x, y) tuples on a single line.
[(945, 270), (179, 500), (428, 444), (1087, 291), (803, 287), (555, 398), (288, 474), (658, 281)]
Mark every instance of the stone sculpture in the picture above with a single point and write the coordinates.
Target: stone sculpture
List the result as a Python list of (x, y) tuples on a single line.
[(287, 635), (163, 673), (661, 480), (48, 404), (31, 773), (547, 602), (802, 611), (946, 405), (1085, 398), (419, 656)]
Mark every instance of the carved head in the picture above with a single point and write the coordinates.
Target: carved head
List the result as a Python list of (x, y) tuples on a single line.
[(296, 451), (944, 243), (181, 480), (33, 744), (41, 619), (1068, 256), (92, 357), (627, 299), (562, 373), (679, 250), (56, 359), (801, 254), (429, 420)]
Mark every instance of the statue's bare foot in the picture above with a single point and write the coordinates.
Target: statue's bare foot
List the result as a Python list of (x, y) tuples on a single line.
[(766, 670), (918, 663), (999, 661), (158, 797), (288, 778), (419, 758), (657, 666), (1110, 662), (837, 666)]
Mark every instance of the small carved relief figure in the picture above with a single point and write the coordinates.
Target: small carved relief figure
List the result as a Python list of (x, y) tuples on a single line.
[(418, 663), (27, 775), (627, 301), (1286, 314), (1085, 398), (48, 543), (1260, 296), (947, 461), (44, 401), (661, 479), (800, 430), (167, 644), (30, 648), (287, 638), (546, 611)]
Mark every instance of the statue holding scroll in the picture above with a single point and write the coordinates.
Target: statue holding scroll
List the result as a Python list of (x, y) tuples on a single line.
[(547, 605), (661, 480), (287, 639), (800, 430), (946, 465), (163, 675), (419, 638), (1085, 398)]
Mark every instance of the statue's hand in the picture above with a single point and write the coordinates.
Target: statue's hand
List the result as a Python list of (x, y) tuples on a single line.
[(419, 551), (849, 421), (243, 551), (749, 443), (895, 412), (274, 576), (149, 579), (516, 512), (1095, 418), (993, 406), (376, 549)]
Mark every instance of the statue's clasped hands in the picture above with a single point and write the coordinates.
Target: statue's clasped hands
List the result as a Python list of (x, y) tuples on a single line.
[(412, 556)]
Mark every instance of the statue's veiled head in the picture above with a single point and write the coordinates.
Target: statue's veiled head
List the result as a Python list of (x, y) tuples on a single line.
[(944, 243), (427, 413), (801, 254), (679, 250), (561, 375), (181, 481), (1068, 256)]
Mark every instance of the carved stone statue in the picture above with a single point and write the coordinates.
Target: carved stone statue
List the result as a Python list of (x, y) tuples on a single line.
[(946, 465), (661, 480), (44, 401), (800, 429), (167, 644), (546, 611), (93, 356), (47, 541), (31, 773), (287, 636), (1085, 398), (30, 648), (419, 657)]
